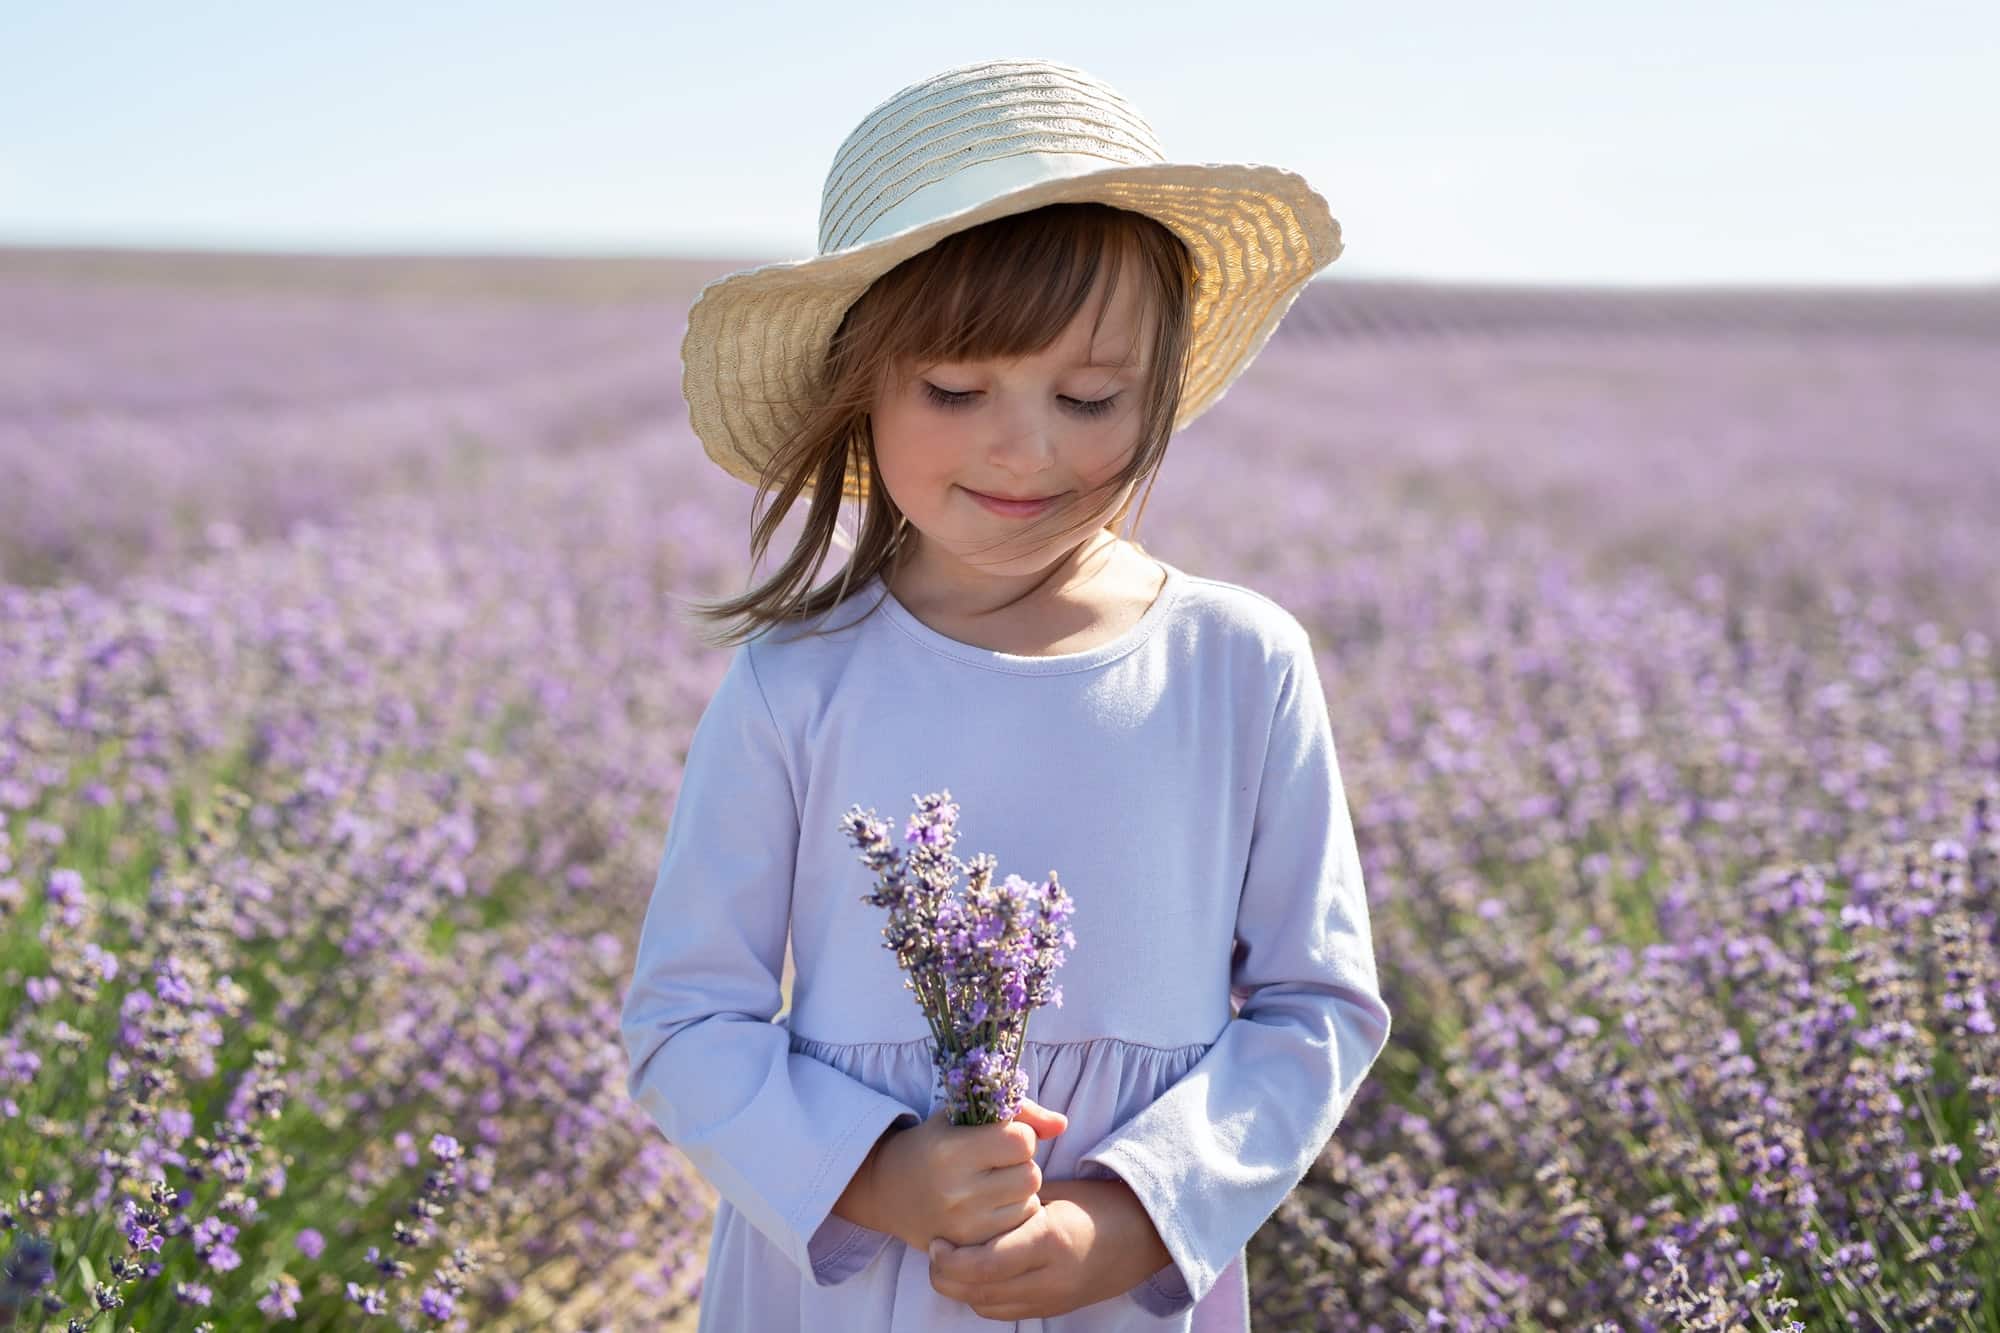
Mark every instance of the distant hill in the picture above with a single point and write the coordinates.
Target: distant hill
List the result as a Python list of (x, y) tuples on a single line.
[(507, 276), (1333, 305)]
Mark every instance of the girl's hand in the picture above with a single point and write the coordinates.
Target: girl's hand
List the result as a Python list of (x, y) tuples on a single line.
[(1090, 1241), (964, 1183)]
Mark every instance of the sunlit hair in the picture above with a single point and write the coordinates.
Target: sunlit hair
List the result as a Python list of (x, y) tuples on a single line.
[(1003, 289)]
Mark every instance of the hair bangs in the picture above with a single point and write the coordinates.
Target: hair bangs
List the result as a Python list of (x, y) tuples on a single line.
[(1010, 291)]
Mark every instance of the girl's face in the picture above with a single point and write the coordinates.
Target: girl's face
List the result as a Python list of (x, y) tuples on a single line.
[(1055, 423)]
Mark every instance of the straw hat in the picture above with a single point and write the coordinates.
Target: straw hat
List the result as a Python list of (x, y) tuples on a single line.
[(973, 143)]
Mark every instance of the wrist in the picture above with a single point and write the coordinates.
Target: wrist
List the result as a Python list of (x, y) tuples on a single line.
[(1120, 1220), (862, 1201)]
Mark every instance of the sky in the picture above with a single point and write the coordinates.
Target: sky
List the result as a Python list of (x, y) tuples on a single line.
[(1614, 142)]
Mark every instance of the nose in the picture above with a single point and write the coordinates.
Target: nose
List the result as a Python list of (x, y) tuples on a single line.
[(1027, 444)]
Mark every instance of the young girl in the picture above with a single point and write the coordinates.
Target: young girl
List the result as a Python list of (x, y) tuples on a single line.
[(1017, 300)]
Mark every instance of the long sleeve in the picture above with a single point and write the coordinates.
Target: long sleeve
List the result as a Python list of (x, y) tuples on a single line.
[(778, 1133), (1212, 1157)]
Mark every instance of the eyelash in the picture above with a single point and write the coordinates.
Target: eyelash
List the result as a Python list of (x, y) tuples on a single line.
[(1090, 408)]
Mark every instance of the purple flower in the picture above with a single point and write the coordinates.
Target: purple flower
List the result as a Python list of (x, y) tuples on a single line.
[(978, 962), (65, 891), (281, 1299)]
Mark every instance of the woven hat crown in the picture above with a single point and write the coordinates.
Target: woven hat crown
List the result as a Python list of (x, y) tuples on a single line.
[(941, 145)]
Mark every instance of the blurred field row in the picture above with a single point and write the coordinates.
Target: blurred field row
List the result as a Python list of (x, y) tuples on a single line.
[(348, 681)]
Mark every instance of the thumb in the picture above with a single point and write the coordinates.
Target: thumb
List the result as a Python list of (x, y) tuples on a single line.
[(1046, 1123)]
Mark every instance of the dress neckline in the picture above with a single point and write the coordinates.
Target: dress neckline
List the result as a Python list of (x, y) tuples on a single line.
[(1033, 664)]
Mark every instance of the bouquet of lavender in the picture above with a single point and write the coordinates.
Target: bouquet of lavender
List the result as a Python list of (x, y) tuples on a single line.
[(978, 963)]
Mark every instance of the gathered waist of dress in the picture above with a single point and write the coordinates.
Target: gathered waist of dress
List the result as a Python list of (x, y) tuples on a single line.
[(921, 1045), (1106, 1079)]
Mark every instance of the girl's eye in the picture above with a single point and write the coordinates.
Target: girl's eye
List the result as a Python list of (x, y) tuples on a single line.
[(945, 397), (951, 398), (1093, 407)]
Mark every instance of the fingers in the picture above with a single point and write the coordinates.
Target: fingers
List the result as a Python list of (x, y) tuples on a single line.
[(1007, 1274), (989, 1146), (1024, 1136), (1006, 1254), (994, 1224), (1007, 1219), (1014, 1182)]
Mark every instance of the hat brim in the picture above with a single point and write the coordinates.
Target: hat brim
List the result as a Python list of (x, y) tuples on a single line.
[(755, 338)]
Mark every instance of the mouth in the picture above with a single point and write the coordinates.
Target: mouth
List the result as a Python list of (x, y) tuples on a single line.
[(1012, 508)]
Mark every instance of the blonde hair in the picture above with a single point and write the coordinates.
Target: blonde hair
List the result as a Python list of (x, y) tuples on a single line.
[(1002, 289)]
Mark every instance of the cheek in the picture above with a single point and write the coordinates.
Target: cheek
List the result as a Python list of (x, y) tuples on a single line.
[(1111, 453), (891, 429), (908, 449), (916, 442)]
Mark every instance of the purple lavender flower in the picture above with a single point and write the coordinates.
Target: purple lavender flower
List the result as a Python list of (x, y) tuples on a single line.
[(978, 963), (281, 1298)]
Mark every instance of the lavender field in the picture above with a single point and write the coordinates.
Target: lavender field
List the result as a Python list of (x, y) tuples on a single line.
[(345, 679)]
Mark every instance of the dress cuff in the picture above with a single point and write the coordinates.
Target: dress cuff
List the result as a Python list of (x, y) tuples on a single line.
[(839, 1248), (1167, 1292)]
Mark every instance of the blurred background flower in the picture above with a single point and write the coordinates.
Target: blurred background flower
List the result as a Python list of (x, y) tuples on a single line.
[(1634, 470)]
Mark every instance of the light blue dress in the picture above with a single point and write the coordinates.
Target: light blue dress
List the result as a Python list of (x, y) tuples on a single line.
[(1181, 780)]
